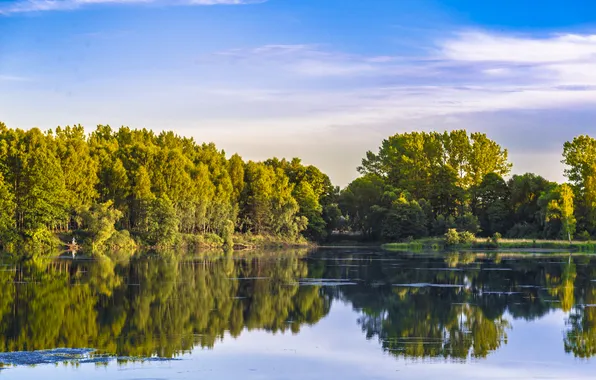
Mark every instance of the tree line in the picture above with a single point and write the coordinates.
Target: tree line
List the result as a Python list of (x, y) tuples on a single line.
[(126, 187), (424, 184), (118, 188)]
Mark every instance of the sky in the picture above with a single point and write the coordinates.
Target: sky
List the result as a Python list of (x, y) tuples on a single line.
[(324, 80)]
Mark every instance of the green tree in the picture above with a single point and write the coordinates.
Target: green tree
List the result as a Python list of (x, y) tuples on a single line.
[(525, 191), (100, 221), (7, 210), (163, 222), (580, 157), (79, 168), (558, 212), (142, 199), (491, 200)]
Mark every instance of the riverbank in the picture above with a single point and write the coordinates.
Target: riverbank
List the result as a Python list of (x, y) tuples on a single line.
[(438, 244)]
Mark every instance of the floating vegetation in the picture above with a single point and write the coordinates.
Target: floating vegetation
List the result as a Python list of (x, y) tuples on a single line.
[(67, 356)]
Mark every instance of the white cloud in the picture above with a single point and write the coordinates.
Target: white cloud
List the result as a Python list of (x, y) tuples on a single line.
[(480, 46), (13, 78), (24, 6)]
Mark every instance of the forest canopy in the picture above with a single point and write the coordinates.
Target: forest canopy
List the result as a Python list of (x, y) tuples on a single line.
[(422, 184), (129, 187), (116, 185)]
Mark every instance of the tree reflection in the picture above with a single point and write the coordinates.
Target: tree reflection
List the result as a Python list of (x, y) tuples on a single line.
[(154, 306), (453, 307), (468, 310)]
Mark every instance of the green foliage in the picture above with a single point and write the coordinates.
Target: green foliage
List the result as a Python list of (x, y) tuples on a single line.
[(158, 186), (163, 223), (420, 162), (100, 221), (228, 234), (7, 210), (583, 236), (454, 176), (468, 222), (404, 219), (491, 201), (451, 237), (466, 237), (557, 210)]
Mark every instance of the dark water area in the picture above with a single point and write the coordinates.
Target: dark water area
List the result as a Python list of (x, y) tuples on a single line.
[(326, 314)]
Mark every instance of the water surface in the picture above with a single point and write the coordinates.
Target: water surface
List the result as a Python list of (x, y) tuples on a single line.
[(335, 313)]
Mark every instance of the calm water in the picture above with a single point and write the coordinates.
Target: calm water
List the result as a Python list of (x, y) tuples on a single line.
[(332, 314)]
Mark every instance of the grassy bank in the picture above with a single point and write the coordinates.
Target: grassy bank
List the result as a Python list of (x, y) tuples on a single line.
[(438, 244)]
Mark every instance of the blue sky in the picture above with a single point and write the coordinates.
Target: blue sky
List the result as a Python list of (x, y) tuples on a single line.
[(325, 80)]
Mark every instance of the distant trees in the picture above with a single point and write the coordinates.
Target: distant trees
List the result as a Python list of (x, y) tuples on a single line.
[(164, 188), (455, 180), (159, 187)]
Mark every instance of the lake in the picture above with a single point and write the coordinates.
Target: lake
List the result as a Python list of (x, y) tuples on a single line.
[(327, 314)]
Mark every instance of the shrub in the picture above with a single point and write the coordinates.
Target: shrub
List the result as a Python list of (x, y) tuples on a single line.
[(213, 240), (583, 236), (496, 237), (451, 237), (466, 237)]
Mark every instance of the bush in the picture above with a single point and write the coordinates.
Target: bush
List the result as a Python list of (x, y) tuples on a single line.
[(466, 237), (583, 236), (121, 240), (213, 240), (451, 237), (496, 237)]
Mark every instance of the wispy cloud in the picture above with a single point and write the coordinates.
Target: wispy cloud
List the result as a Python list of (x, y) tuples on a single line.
[(25, 6), (467, 72), (478, 80), (310, 60), (13, 78)]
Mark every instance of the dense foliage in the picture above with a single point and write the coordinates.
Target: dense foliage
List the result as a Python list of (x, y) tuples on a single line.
[(121, 188), (161, 189), (425, 184)]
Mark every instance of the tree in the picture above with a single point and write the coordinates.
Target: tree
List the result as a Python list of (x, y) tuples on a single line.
[(558, 212), (79, 168), (491, 203), (405, 219), (357, 201), (524, 191), (486, 157), (142, 199), (163, 223), (100, 221), (311, 209), (580, 157), (236, 170), (7, 210)]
